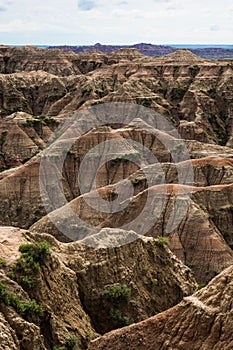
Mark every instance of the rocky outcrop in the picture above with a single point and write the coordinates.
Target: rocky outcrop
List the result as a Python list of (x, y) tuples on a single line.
[(202, 321)]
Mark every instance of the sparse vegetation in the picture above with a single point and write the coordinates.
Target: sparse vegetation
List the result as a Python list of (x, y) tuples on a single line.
[(155, 281), (162, 90), (29, 263), (194, 70), (201, 285), (40, 120), (71, 342), (119, 319), (146, 102), (117, 293), (54, 97), (2, 263), (161, 241), (89, 336), (177, 93), (136, 181), (24, 308), (86, 91)]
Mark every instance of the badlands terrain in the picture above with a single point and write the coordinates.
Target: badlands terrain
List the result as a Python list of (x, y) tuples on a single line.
[(167, 277)]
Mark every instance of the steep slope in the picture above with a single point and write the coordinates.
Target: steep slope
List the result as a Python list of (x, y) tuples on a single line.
[(202, 321)]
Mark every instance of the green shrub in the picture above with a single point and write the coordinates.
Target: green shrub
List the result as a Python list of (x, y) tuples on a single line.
[(89, 336), (155, 281), (35, 252), (162, 90), (161, 241), (2, 262), (86, 91), (11, 275), (135, 303), (136, 181), (31, 258), (59, 348), (44, 120), (27, 282), (177, 93), (117, 293), (31, 307), (22, 307), (71, 342), (201, 285), (54, 97), (119, 319), (146, 102), (194, 70)]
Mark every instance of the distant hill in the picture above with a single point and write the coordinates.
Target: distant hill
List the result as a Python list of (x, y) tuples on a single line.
[(151, 50)]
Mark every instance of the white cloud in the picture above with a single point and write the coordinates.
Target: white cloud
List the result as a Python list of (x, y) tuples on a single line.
[(121, 21)]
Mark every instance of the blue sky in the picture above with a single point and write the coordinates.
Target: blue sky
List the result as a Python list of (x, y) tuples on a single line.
[(79, 22)]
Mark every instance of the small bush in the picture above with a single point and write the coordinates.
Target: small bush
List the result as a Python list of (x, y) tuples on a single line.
[(161, 241), (137, 181), (155, 281), (22, 307), (201, 285), (89, 336), (35, 253), (11, 275), (117, 293), (162, 90), (71, 342), (27, 282), (119, 319), (146, 102), (29, 263), (2, 263), (178, 92), (31, 307), (194, 70)]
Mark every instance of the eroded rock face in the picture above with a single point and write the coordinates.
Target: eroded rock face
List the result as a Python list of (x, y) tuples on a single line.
[(76, 277), (202, 321)]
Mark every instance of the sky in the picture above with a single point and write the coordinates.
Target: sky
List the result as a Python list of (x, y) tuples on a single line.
[(85, 22)]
